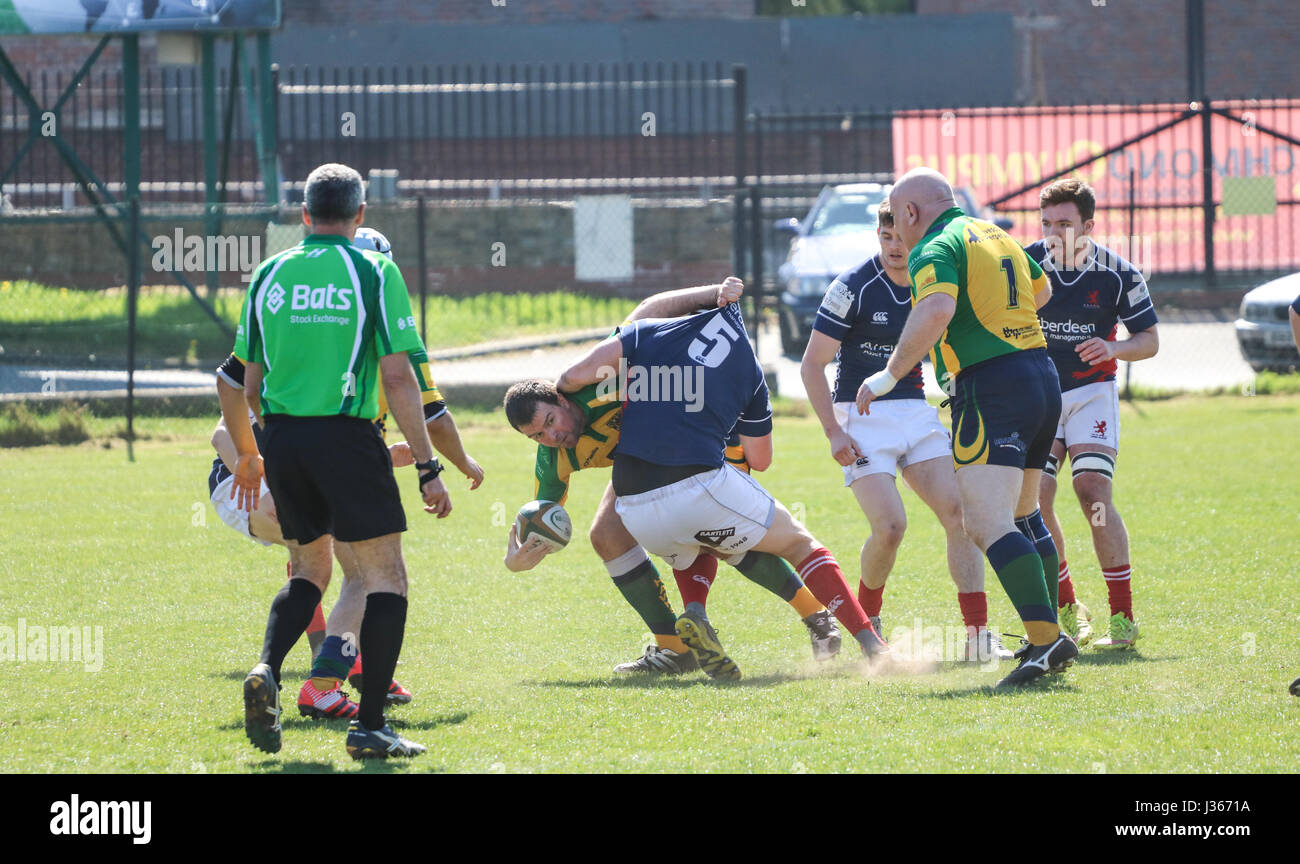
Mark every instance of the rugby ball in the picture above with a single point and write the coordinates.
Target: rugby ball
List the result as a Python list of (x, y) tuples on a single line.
[(546, 520)]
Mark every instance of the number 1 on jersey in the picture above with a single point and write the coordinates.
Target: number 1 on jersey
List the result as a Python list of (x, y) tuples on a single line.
[(1013, 300)]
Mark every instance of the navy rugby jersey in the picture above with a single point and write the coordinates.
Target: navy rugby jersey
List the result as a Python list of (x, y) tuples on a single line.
[(866, 311), (1088, 302), (690, 381)]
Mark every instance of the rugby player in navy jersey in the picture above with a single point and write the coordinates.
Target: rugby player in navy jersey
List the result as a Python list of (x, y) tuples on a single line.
[(576, 431), (858, 324), (1092, 290), (685, 384)]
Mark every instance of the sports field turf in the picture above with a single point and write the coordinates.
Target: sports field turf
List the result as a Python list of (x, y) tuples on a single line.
[(511, 673)]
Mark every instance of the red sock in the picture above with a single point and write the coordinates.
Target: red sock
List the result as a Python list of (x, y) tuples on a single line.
[(821, 573), (1065, 588), (870, 598), (317, 624), (974, 608), (1117, 585), (695, 581), (356, 667)]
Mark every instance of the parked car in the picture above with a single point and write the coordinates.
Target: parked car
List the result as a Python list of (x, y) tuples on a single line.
[(1264, 327), (838, 233)]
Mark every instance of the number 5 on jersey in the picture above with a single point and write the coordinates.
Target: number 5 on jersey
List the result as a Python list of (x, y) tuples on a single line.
[(712, 354)]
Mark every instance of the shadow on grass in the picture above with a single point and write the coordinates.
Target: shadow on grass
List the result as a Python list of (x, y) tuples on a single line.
[(1116, 658), (662, 683), (369, 766), (285, 675), (428, 722), (1052, 684), (294, 766), (290, 722)]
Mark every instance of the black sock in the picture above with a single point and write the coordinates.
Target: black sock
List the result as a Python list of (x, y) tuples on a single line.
[(382, 629), (291, 612)]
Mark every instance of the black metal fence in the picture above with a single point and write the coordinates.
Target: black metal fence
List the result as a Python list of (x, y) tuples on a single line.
[(439, 132), (502, 154), (1198, 189)]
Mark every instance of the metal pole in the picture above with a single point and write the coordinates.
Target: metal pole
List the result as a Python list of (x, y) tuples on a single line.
[(757, 230), (1198, 92), (132, 298), (268, 87), (1132, 239), (423, 265), (739, 105), (131, 105), (209, 78), (1207, 190)]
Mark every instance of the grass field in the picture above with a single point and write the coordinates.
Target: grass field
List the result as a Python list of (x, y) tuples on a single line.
[(174, 329), (512, 673)]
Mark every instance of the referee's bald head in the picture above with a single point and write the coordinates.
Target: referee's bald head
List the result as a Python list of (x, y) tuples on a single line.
[(333, 194)]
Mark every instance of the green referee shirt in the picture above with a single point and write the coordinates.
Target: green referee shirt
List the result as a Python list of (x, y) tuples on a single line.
[(318, 317)]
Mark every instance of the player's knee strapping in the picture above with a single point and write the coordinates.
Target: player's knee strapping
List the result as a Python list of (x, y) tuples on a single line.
[(1034, 528), (774, 574), (1020, 570), (638, 581), (1053, 465), (1096, 463)]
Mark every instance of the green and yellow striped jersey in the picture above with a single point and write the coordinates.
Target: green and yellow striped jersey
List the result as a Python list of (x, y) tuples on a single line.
[(994, 283), (595, 448)]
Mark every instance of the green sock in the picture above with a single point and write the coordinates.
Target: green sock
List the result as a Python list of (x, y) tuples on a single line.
[(1033, 527), (644, 591), (1020, 570), (772, 573)]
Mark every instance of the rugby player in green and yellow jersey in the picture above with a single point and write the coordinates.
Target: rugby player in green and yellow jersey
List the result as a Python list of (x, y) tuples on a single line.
[(975, 296), (580, 430)]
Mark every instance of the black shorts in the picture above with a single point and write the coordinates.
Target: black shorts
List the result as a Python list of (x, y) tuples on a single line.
[(331, 475), (1005, 411)]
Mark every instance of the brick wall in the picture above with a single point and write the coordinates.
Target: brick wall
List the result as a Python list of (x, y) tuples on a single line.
[(1123, 50), (514, 11), (675, 246)]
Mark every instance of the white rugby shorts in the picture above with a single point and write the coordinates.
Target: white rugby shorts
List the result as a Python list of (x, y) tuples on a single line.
[(897, 433), (229, 513), (1090, 415), (723, 511)]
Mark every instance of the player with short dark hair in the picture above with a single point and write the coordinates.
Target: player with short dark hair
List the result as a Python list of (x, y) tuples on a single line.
[(974, 299), (674, 491), (580, 430), (1093, 289), (312, 353), (857, 326)]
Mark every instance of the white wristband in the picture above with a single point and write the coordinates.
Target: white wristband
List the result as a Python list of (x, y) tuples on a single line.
[(881, 383)]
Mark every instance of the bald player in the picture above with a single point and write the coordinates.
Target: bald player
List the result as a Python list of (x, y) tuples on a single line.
[(975, 296)]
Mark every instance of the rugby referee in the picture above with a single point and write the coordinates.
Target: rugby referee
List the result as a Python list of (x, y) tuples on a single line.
[(319, 322)]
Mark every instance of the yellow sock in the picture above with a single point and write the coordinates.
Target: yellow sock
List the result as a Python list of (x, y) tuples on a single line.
[(325, 684), (805, 603), (1042, 632), (672, 642)]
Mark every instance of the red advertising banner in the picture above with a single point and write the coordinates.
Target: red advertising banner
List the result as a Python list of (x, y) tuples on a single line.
[(1255, 175)]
